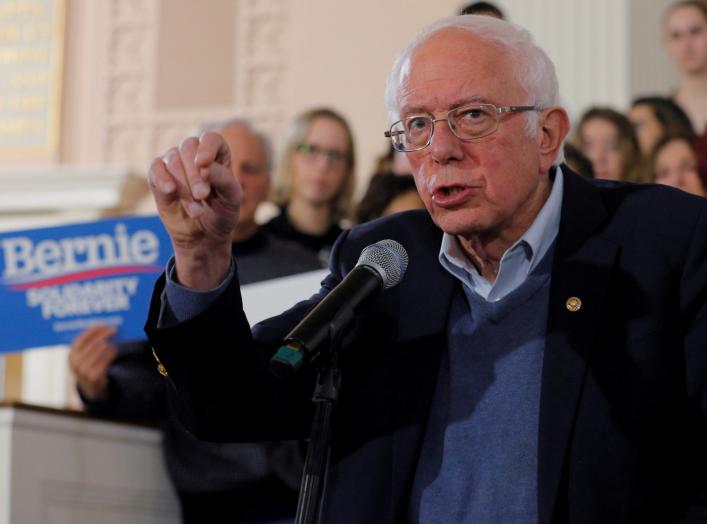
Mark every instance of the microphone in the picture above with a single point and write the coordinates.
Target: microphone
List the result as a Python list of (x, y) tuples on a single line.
[(380, 266)]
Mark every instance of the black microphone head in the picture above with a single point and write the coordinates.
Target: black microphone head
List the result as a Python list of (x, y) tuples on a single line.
[(387, 258)]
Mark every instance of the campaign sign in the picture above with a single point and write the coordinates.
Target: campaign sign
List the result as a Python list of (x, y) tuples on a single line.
[(56, 282)]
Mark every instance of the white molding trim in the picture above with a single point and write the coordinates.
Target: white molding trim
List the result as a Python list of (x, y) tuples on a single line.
[(37, 197)]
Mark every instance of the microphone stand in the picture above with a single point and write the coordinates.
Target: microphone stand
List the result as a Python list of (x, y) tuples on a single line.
[(325, 395)]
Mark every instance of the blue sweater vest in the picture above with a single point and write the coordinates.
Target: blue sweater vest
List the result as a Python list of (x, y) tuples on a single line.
[(479, 455)]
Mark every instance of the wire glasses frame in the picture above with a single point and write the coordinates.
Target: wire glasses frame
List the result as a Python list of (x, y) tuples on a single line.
[(334, 156), (467, 123)]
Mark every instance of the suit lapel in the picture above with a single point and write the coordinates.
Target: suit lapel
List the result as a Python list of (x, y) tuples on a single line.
[(581, 271)]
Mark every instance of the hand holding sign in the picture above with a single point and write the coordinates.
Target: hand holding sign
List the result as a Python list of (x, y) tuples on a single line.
[(198, 200)]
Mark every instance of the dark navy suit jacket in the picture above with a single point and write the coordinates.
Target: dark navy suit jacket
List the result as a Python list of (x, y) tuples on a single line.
[(623, 414)]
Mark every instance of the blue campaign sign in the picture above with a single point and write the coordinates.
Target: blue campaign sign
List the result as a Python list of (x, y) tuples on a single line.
[(55, 282)]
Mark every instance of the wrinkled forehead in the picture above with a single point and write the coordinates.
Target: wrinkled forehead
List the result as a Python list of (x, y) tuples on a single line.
[(456, 60)]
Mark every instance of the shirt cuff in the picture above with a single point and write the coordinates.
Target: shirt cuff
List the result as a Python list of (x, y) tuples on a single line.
[(180, 304)]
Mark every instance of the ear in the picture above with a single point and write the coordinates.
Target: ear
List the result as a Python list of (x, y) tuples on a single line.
[(553, 128)]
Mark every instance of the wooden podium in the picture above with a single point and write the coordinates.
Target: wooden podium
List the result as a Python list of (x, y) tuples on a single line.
[(63, 467)]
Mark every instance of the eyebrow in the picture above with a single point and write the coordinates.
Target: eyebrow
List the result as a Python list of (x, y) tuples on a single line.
[(475, 99)]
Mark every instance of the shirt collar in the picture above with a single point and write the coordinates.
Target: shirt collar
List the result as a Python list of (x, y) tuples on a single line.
[(533, 244), (542, 232)]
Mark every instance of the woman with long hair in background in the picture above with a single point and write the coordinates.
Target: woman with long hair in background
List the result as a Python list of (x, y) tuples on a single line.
[(315, 182)]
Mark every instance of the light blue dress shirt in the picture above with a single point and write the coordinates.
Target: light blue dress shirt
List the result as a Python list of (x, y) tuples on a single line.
[(518, 260)]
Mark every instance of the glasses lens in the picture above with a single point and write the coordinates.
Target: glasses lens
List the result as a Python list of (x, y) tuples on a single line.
[(474, 121), (397, 136), (311, 153), (417, 131), (334, 155)]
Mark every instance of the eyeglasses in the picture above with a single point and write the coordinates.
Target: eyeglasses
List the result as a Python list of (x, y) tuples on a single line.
[(311, 153), (467, 123)]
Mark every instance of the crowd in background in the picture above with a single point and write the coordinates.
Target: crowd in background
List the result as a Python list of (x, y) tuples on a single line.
[(661, 138)]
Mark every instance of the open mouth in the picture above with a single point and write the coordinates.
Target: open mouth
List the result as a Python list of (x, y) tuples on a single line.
[(453, 195), (449, 191)]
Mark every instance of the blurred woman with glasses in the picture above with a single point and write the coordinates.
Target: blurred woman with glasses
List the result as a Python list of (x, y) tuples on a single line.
[(315, 182)]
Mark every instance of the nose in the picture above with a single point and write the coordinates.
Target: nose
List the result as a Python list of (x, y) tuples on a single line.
[(445, 146), (323, 160)]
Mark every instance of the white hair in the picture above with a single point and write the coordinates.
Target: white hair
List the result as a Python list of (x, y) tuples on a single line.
[(531, 66)]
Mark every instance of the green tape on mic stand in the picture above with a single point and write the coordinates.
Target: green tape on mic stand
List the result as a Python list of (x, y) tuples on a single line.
[(286, 361)]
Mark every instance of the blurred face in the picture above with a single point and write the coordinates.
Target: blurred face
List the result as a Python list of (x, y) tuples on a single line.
[(249, 165), (491, 188), (676, 165), (320, 164), (686, 39), (648, 129), (600, 144)]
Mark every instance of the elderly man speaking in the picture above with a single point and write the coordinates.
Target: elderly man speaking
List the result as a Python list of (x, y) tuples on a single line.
[(544, 358)]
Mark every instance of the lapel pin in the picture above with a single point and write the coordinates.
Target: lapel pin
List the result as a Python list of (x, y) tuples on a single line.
[(573, 304), (160, 368)]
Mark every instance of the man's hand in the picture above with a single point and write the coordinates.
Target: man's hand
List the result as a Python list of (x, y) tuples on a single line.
[(89, 357), (198, 200)]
